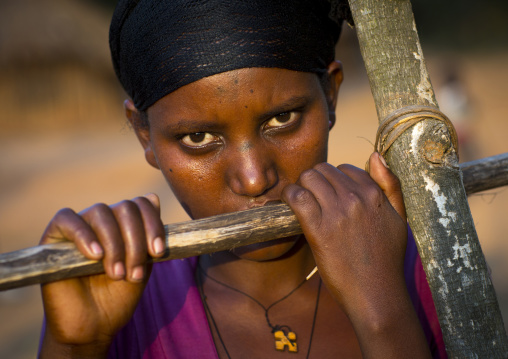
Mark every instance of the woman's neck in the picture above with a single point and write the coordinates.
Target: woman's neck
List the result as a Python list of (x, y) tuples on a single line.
[(266, 280)]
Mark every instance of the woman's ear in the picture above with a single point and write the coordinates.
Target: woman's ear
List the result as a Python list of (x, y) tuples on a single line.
[(139, 123), (334, 80)]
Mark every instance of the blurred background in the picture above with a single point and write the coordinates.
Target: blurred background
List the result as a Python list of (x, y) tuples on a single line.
[(65, 143)]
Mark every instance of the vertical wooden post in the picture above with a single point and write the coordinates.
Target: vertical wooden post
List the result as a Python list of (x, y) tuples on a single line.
[(426, 163)]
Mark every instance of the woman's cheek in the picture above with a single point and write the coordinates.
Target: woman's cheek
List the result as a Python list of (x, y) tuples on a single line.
[(201, 193)]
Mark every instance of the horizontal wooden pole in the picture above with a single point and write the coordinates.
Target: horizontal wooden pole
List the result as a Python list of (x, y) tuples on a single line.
[(485, 173), (51, 262)]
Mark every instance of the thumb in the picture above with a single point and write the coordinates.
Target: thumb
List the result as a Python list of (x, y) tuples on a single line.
[(388, 182)]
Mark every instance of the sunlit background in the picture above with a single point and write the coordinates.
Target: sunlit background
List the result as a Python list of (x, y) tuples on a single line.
[(64, 141)]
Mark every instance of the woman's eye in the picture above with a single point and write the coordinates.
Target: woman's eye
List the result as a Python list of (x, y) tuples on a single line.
[(282, 119), (198, 139)]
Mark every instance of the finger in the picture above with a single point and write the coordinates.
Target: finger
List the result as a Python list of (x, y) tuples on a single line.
[(388, 182), (352, 186), (155, 201), (303, 203), (132, 229), (68, 225), (316, 180), (344, 178), (154, 229), (356, 174), (104, 223), (310, 198)]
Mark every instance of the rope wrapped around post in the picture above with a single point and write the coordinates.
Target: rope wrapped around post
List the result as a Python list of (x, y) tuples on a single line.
[(401, 120), (396, 123)]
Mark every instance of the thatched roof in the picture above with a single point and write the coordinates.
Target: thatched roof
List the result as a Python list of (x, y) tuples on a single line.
[(46, 32)]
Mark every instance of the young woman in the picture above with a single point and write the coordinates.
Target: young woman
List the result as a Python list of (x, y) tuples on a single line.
[(233, 102)]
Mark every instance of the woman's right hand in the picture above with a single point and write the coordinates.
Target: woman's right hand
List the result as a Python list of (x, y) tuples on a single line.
[(83, 314)]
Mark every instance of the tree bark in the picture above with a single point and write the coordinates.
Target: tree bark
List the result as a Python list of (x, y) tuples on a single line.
[(426, 163)]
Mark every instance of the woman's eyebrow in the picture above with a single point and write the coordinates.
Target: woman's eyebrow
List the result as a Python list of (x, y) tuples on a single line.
[(290, 104), (189, 125)]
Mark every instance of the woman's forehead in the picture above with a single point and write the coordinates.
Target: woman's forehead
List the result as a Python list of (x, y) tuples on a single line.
[(261, 87)]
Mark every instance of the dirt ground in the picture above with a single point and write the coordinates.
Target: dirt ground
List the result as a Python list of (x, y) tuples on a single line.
[(41, 172)]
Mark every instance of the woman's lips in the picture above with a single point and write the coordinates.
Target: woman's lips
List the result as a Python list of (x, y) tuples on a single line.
[(263, 203)]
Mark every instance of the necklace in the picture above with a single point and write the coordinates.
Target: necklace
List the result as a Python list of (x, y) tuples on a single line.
[(282, 333)]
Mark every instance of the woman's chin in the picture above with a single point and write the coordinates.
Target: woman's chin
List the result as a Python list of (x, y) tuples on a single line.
[(270, 250)]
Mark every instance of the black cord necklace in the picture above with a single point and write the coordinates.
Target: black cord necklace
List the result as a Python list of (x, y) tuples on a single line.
[(282, 333)]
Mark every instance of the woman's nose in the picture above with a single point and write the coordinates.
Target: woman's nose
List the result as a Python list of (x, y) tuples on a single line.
[(252, 172)]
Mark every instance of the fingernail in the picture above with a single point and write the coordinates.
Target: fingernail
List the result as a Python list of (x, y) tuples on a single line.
[(137, 273), (96, 248), (158, 245), (382, 159), (119, 269)]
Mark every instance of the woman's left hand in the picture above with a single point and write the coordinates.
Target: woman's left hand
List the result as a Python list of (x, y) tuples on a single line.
[(355, 224)]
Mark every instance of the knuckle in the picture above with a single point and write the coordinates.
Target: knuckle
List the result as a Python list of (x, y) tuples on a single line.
[(344, 167), (126, 208), (146, 208), (348, 168), (63, 214), (374, 193), (323, 166), (308, 175), (97, 210), (374, 196), (142, 201), (96, 214), (300, 197), (354, 201)]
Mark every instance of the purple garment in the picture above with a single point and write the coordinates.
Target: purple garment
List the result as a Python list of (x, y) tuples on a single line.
[(170, 321)]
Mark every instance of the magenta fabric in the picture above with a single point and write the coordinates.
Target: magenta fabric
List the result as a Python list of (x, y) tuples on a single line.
[(170, 321), (427, 304), (419, 291)]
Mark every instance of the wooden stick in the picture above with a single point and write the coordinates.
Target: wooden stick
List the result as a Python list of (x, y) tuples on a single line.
[(58, 261), (51, 262), (485, 174), (424, 159)]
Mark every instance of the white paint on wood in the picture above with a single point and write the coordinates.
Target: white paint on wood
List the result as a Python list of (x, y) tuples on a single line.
[(418, 131), (440, 200), (463, 253), (443, 286), (444, 221), (443, 289), (424, 88)]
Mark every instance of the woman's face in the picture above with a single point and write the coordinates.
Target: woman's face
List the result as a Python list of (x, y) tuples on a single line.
[(234, 140)]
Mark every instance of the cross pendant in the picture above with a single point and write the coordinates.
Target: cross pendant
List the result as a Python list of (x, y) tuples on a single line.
[(281, 341)]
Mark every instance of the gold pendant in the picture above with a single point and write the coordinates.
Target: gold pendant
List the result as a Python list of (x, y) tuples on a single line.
[(281, 341)]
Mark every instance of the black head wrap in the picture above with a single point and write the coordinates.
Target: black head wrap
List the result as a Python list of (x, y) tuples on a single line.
[(158, 46)]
